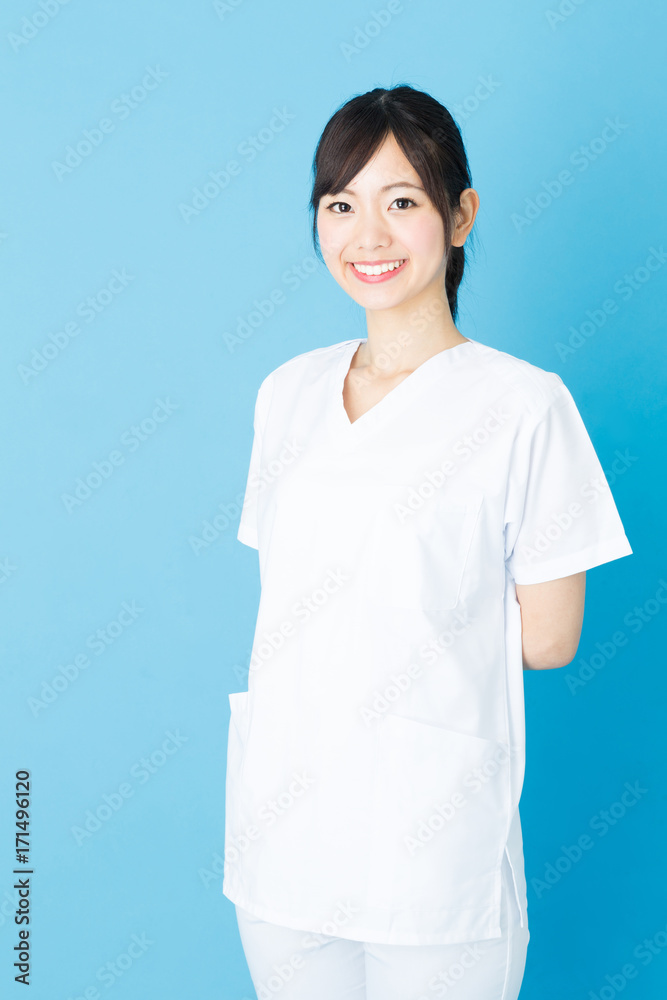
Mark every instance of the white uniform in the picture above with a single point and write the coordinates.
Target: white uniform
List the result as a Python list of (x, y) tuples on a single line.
[(375, 763)]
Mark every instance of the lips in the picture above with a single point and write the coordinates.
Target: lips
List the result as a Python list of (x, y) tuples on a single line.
[(383, 276)]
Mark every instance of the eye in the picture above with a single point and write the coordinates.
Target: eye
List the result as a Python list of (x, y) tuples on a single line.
[(329, 207)]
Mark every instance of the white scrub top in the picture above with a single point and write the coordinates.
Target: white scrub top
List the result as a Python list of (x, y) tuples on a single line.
[(376, 761)]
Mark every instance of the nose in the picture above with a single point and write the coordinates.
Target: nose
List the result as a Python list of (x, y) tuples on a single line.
[(371, 231), (371, 234)]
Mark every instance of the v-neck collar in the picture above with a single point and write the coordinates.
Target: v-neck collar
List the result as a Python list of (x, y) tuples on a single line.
[(347, 432)]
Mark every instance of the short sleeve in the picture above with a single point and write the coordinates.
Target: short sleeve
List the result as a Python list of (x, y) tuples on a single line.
[(248, 523), (560, 516)]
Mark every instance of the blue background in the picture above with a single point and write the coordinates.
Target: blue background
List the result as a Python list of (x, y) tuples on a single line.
[(165, 332)]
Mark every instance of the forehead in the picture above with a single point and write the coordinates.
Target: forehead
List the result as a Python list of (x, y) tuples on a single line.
[(387, 169)]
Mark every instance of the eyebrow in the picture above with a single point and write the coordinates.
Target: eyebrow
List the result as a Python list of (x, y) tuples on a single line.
[(388, 187)]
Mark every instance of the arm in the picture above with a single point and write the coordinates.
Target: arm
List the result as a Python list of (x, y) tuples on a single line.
[(552, 615)]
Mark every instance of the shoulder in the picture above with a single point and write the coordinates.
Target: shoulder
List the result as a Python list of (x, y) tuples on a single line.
[(532, 389), (307, 364)]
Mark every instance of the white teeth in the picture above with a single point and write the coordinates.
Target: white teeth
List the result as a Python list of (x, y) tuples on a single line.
[(378, 268)]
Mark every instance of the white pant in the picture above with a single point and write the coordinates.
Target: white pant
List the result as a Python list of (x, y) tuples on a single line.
[(288, 964)]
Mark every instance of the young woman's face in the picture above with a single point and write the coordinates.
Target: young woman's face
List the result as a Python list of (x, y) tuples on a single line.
[(382, 217)]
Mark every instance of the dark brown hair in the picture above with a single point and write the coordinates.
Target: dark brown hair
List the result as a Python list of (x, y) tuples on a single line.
[(430, 140)]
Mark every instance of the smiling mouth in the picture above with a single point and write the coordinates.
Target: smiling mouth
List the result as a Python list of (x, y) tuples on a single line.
[(379, 267)]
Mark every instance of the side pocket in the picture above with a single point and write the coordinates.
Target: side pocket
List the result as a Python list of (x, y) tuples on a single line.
[(439, 820)]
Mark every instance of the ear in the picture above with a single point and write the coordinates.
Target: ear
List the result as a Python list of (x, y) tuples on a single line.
[(465, 215)]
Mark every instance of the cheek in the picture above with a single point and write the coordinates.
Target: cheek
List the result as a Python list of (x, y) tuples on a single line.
[(331, 242), (426, 237)]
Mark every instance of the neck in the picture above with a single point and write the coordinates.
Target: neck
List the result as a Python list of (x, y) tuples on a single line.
[(401, 338)]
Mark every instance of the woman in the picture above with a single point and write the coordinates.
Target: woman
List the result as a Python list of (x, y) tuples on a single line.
[(425, 508)]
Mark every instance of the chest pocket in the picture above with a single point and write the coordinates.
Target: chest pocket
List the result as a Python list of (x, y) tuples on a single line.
[(418, 554)]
